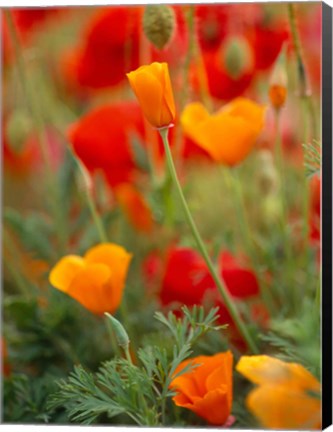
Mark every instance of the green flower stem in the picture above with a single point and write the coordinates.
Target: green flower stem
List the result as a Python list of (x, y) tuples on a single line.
[(96, 218), (190, 21), (222, 290), (304, 91), (91, 204), (234, 183), (280, 165), (287, 235), (41, 133)]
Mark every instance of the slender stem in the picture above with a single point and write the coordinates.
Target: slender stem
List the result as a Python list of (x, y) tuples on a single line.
[(233, 181), (91, 203), (128, 355), (283, 188), (222, 290), (304, 90), (280, 164), (96, 218), (190, 15), (33, 105)]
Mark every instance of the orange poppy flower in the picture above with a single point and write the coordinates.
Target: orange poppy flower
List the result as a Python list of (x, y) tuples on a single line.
[(135, 207), (152, 87), (97, 280), (230, 134), (206, 389), (287, 396)]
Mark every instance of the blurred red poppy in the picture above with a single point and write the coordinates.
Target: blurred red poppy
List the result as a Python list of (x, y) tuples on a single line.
[(187, 279), (221, 83), (315, 188), (27, 20), (267, 41), (108, 49), (101, 139)]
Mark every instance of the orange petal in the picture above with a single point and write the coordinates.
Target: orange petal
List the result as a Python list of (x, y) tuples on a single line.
[(110, 254), (149, 92), (169, 102), (222, 374), (214, 406), (227, 139), (117, 259), (191, 117), (187, 389), (64, 271), (248, 110), (269, 370), (279, 407), (89, 287)]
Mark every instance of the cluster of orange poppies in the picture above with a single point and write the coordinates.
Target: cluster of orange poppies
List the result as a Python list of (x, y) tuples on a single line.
[(226, 64), (287, 395)]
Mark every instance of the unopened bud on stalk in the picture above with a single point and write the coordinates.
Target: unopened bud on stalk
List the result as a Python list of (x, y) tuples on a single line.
[(278, 82), (268, 179), (237, 56), (121, 334), (84, 180), (19, 126), (159, 24)]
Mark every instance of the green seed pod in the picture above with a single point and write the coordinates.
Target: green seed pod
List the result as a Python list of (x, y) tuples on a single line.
[(121, 334), (159, 23), (19, 126), (237, 56)]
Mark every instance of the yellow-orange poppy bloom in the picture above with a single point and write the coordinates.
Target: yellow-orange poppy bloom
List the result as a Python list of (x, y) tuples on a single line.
[(135, 207), (228, 135), (287, 396), (207, 388), (96, 280), (152, 87)]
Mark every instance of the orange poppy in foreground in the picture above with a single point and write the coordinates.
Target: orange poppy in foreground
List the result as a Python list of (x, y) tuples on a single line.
[(152, 87), (207, 388), (228, 135), (96, 280), (287, 396)]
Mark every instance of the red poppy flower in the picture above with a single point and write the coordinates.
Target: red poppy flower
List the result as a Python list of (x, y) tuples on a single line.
[(221, 84), (109, 48), (216, 21), (187, 279), (315, 187), (267, 41), (101, 139), (27, 20)]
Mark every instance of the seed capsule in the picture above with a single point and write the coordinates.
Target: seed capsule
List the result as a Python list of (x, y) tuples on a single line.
[(159, 24)]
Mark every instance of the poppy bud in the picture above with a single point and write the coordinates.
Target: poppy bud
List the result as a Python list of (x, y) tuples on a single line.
[(159, 24), (83, 179), (268, 180), (237, 56), (121, 334), (152, 87), (278, 82), (18, 128)]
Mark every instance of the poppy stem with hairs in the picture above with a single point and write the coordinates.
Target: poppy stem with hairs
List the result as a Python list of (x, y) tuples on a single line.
[(222, 290)]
